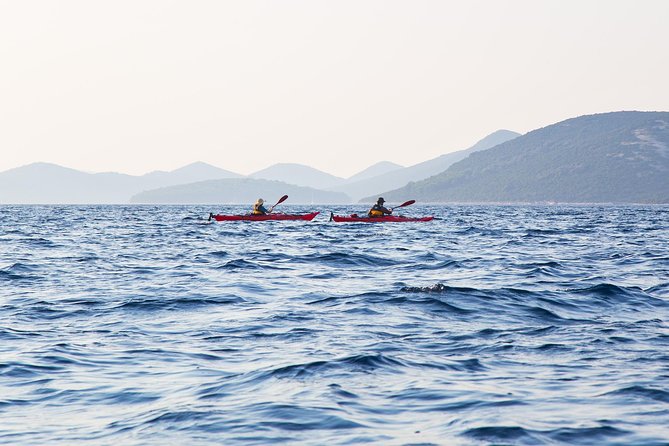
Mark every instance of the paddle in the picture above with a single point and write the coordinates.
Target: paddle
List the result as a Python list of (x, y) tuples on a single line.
[(281, 200), (406, 203)]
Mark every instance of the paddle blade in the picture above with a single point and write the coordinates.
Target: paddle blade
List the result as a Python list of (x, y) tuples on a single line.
[(406, 203)]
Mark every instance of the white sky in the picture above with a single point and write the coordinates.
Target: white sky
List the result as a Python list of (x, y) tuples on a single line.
[(139, 85)]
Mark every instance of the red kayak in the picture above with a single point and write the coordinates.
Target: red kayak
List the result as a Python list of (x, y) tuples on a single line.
[(384, 219), (250, 217)]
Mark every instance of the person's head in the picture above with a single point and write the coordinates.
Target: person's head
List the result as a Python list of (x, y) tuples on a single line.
[(260, 202), (380, 200)]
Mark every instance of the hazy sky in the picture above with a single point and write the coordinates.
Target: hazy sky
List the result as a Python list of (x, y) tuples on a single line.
[(134, 86)]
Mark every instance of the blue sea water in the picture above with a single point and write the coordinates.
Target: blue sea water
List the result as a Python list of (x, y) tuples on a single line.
[(514, 325)]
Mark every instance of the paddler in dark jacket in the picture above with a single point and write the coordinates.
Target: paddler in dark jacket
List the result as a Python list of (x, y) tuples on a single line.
[(379, 210), (259, 209)]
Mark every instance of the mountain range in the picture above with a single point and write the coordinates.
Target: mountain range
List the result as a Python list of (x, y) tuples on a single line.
[(608, 157), (620, 157)]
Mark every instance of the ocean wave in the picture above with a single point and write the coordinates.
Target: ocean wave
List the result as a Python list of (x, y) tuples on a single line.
[(519, 435), (152, 303), (641, 392), (341, 259), (240, 264), (19, 271)]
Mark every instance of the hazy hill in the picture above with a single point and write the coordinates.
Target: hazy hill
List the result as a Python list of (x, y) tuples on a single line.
[(237, 191), (400, 177), (49, 183), (612, 157), (190, 173), (377, 169), (298, 174)]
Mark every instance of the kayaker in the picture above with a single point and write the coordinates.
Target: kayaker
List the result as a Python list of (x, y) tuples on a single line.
[(379, 210), (259, 209)]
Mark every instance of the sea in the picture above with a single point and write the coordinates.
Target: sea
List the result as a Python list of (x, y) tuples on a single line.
[(490, 325)]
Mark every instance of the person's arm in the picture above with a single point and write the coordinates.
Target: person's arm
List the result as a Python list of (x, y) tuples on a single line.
[(387, 211)]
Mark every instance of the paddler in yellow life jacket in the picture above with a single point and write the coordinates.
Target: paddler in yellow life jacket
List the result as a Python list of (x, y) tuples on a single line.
[(379, 210), (259, 209)]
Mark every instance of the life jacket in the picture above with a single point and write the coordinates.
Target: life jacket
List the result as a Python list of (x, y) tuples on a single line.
[(257, 210), (376, 211)]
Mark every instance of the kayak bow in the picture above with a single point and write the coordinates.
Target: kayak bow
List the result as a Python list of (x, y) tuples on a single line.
[(266, 217)]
